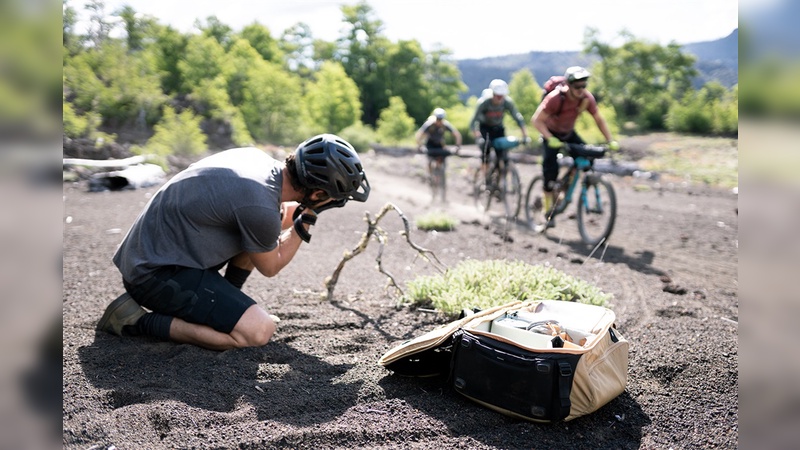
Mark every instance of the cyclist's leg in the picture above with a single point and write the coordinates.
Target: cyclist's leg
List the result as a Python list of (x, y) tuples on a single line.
[(550, 174), (485, 150)]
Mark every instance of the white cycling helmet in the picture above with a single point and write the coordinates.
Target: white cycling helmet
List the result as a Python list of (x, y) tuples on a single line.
[(499, 87), (486, 93), (576, 73), (439, 113)]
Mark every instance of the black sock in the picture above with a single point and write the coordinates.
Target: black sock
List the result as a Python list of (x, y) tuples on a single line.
[(154, 324), (236, 275)]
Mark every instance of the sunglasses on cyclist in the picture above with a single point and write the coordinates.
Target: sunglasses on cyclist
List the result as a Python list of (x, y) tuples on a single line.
[(579, 85)]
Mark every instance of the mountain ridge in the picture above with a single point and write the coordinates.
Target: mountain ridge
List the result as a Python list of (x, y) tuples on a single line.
[(716, 60)]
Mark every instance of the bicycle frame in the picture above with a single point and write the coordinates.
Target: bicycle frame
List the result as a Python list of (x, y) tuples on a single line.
[(580, 164)]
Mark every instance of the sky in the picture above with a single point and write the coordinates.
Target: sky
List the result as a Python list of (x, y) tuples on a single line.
[(469, 28)]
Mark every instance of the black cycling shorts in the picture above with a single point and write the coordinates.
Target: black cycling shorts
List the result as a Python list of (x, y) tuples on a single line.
[(194, 295)]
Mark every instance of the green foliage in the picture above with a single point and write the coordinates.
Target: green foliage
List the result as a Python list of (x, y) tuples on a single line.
[(203, 59), (332, 99), (586, 127), (405, 78), (75, 125), (175, 134), (635, 75), (483, 284), (525, 91), (436, 221), (262, 41), (270, 107), (365, 48), (121, 87), (443, 79), (360, 136), (712, 109), (395, 125), (770, 88)]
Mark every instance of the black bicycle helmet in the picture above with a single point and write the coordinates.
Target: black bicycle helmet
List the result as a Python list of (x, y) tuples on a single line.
[(330, 163), (576, 73)]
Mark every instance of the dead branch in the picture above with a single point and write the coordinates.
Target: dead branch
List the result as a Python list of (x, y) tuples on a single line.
[(374, 230)]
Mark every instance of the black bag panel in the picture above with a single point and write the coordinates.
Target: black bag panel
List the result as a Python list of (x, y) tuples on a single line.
[(530, 384), (431, 362)]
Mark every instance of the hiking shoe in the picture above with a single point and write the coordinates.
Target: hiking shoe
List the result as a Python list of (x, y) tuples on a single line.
[(120, 313)]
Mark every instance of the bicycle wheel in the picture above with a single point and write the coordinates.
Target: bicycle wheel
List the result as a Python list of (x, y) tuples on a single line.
[(597, 209), (486, 189), (440, 180), (513, 191), (534, 205)]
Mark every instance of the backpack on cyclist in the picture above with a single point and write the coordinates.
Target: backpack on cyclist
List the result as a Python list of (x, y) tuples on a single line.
[(553, 83), (556, 82), (543, 361)]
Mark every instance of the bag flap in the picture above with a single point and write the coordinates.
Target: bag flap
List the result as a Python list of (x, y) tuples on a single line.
[(435, 337)]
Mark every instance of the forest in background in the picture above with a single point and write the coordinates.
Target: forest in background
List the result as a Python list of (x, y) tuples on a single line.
[(183, 93)]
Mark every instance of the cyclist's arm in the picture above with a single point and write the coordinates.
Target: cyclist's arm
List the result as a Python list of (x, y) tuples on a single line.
[(602, 125), (454, 131), (422, 134), (474, 123), (512, 109), (539, 121)]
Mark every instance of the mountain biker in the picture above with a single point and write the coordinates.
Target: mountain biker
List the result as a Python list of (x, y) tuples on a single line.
[(431, 134), (487, 122), (555, 120), (238, 208)]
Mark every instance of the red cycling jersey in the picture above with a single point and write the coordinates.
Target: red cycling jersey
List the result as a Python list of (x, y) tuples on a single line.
[(561, 117)]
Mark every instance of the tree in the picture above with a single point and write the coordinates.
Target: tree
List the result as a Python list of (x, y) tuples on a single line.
[(170, 47), (332, 99), (394, 124), (362, 52), (203, 59), (634, 76), (262, 41), (99, 25), (525, 91), (406, 79), (175, 134), (443, 78), (297, 44), (214, 28), (270, 105)]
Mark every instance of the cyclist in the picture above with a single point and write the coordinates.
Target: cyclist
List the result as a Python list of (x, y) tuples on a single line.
[(487, 122), (238, 208), (431, 135), (555, 120)]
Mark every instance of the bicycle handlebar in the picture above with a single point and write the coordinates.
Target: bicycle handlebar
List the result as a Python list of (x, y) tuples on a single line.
[(586, 150)]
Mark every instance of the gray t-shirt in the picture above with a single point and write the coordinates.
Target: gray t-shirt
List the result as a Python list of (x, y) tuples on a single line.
[(222, 205)]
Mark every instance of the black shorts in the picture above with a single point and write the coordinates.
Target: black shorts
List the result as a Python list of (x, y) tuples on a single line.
[(194, 295), (438, 152)]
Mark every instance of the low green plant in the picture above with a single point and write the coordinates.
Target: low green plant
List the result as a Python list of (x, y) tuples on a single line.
[(488, 283), (436, 221), (176, 134), (360, 136)]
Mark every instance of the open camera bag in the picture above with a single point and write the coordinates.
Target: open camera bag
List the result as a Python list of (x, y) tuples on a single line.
[(543, 361)]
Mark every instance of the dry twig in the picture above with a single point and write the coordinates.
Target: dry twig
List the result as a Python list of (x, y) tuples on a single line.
[(374, 230)]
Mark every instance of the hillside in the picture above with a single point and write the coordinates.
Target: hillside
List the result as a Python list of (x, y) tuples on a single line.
[(716, 60)]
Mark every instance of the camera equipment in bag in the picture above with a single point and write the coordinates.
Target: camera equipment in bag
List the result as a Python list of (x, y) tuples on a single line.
[(542, 361)]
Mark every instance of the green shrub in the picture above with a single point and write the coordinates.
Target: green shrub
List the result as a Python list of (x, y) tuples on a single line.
[(436, 221), (483, 284), (175, 134), (395, 125), (360, 136)]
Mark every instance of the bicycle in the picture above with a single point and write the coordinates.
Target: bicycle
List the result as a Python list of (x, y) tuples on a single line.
[(437, 162), (597, 201), (501, 182)]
